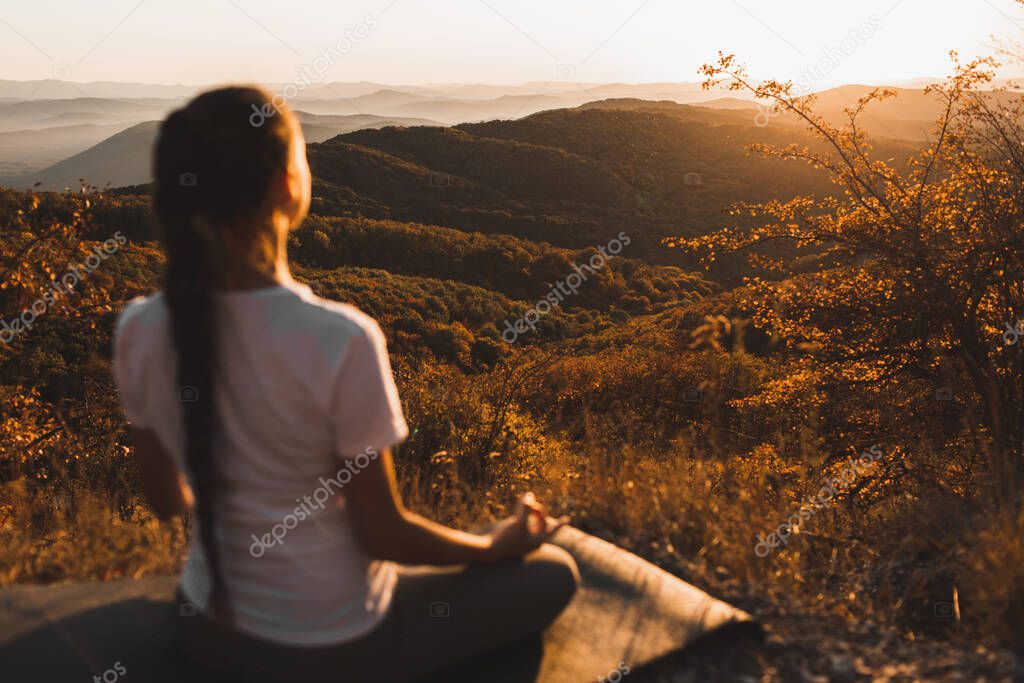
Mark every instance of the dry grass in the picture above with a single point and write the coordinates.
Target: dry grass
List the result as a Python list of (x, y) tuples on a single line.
[(44, 538), (889, 557)]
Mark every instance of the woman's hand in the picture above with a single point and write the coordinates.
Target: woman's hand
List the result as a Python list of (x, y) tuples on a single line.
[(524, 531)]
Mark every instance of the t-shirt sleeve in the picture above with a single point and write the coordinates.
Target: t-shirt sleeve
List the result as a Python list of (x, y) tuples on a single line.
[(126, 366), (364, 409)]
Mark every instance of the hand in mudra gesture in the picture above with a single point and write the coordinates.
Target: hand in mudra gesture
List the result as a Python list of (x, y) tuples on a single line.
[(524, 531)]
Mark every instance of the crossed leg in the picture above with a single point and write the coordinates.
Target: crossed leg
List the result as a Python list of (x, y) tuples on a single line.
[(439, 616), (447, 615)]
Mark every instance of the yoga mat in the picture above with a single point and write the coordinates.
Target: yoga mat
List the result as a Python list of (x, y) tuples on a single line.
[(628, 612), (628, 615)]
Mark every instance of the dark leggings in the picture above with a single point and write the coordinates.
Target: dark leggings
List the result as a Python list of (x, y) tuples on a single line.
[(438, 616)]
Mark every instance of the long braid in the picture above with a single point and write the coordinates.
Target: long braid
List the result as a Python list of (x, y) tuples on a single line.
[(188, 291), (213, 169)]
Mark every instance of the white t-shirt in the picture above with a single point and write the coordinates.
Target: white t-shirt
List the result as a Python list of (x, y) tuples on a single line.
[(305, 398)]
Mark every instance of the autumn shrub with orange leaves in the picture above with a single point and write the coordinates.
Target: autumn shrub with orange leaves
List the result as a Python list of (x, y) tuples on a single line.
[(895, 337), (69, 503)]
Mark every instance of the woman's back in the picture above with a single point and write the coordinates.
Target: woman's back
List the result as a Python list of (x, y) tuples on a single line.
[(287, 363)]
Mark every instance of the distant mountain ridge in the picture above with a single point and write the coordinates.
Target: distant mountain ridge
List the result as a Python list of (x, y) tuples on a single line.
[(49, 123), (125, 157), (122, 159), (25, 151), (52, 88)]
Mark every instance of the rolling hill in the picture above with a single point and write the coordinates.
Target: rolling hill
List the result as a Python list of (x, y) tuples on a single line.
[(122, 159), (567, 176), (25, 151)]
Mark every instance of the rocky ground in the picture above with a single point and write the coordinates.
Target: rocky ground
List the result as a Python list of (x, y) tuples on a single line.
[(819, 649), (807, 643)]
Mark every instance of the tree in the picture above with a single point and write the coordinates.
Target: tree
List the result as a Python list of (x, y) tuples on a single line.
[(921, 265)]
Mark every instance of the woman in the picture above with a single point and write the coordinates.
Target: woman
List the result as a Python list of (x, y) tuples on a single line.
[(271, 413)]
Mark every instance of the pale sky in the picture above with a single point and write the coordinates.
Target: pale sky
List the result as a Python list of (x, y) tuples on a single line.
[(489, 41)]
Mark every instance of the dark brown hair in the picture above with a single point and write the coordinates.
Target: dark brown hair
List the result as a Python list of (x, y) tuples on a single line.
[(214, 164)]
